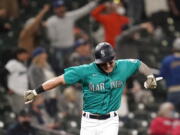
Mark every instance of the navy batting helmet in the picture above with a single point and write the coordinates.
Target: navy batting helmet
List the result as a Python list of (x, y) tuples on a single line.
[(104, 53)]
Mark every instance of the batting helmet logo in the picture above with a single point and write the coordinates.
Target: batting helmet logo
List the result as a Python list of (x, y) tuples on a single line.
[(104, 53)]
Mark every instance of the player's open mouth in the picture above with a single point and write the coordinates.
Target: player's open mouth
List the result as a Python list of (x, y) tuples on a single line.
[(107, 64)]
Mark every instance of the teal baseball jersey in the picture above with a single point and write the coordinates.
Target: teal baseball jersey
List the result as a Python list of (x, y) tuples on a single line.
[(102, 91)]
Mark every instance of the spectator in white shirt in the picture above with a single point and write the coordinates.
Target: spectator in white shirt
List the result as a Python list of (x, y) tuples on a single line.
[(17, 80), (60, 31)]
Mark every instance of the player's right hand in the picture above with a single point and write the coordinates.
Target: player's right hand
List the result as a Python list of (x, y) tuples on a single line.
[(150, 83), (29, 96)]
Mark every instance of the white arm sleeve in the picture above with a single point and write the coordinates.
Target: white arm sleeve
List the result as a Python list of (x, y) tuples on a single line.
[(76, 14)]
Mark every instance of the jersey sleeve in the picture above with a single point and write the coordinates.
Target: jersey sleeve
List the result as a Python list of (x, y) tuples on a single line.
[(133, 66), (74, 74), (128, 67)]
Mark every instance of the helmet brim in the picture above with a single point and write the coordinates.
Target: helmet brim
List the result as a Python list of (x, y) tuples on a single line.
[(104, 60)]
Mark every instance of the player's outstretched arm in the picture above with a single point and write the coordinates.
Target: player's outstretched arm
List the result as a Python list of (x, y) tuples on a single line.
[(29, 95), (151, 80)]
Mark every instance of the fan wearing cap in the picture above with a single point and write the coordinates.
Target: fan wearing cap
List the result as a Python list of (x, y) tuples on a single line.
[(103, 82), (170, 71), (60, 33), (40, 70), (81, 54)]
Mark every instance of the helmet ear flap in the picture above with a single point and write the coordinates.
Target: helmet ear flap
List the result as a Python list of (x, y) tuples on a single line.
[(104, 53)]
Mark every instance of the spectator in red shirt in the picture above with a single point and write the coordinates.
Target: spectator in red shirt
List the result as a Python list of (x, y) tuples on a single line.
[(176, 128), (112, 20), (163, 123)]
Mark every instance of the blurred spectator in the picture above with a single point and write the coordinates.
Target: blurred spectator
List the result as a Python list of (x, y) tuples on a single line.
[(157, 11), (17, 80), (131, 41), (174, 6), (40, 70), (70, 102), (60, 31), (82, 53), (155, 6), (30, 35), (176, 128), (135, 10), (140, 95), (40, 117), (4, 26), (23, 125), (98, 34), (110, 15), (11, 6), (163, 123), (70, 109), (170, 70), (79, 33)]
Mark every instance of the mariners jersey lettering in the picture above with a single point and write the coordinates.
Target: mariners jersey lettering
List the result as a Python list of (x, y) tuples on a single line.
[(101, 92), (101, 86)]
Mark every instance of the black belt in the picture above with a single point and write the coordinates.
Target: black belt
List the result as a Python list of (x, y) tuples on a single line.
[(100, 117)]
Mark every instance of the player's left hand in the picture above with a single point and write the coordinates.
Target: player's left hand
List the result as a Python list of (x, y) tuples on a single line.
[(150, 83), (29, 96)]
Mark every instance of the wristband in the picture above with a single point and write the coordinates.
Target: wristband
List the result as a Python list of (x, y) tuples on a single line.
[(39, 90)]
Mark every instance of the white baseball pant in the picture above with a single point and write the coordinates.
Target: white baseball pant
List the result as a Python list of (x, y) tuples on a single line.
[(107, 126)]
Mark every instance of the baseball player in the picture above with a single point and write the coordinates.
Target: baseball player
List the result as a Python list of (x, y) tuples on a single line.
[(103, 82)]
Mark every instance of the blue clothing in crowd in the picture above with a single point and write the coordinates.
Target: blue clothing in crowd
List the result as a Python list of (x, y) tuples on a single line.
[(170, 70)]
